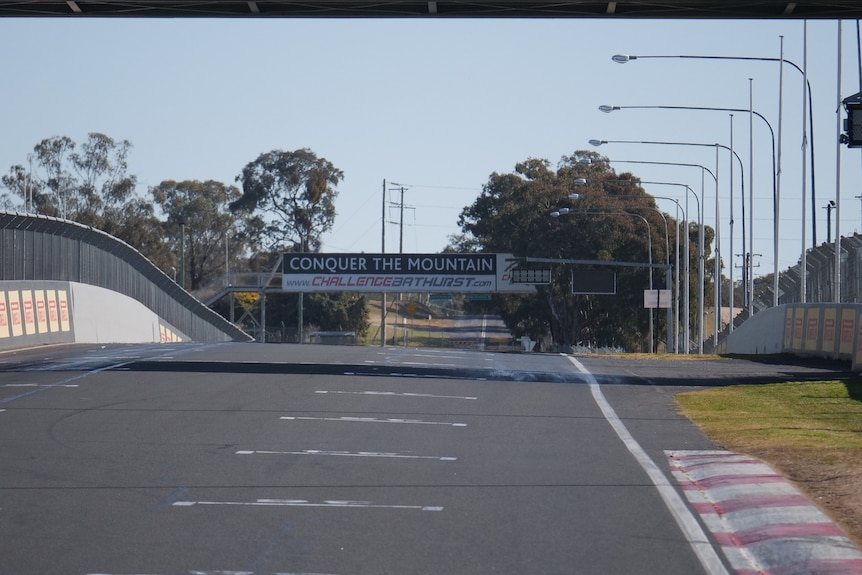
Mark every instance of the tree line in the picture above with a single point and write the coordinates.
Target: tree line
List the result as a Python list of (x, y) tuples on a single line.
[(285, 201), (601, 215)]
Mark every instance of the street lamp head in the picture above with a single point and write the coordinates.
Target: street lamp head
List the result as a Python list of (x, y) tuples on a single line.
[(574, 196), (555, 214), (597, 142), (608, 109), (622, 58), (585, 161), (580, 181)]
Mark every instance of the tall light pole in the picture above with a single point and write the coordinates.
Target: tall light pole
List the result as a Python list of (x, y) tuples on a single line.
[(716, 146), (700, 233), (567, 211), (776, 185), (687, 296), (671, 339), (806, 91)]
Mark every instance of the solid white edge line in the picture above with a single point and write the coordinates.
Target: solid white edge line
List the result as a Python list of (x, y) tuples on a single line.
[(681, 513)]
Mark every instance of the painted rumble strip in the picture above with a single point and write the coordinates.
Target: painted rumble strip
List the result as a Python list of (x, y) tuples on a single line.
[(762, 522), (332, 504), (374, 420), (348, 454)]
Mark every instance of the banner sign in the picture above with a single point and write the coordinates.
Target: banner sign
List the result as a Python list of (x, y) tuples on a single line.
[(459, 273)]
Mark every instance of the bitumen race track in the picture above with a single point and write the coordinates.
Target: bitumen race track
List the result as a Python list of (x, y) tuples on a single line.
[(288, 459)]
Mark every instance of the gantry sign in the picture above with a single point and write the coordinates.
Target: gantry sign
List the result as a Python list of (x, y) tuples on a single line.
[(415, 273)]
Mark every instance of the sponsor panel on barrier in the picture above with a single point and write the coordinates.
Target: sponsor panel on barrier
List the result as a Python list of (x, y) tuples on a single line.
[(829, 324), (41, 312), (53, 314), (15, 314), (848, 330), (812, 328), (788, 327), (798, 328), (63, 299), (29, 312), (4, 317), (857, 351)]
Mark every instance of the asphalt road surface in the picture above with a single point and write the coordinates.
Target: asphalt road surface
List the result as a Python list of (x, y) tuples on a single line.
[(264, 459)]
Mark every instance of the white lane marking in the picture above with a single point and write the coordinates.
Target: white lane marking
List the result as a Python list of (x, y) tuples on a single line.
[(348, 454), (64, 382), (37, 385), (374, 420), (338, 504), (219, 572), (395, 394), (684, 518), (426, 364)]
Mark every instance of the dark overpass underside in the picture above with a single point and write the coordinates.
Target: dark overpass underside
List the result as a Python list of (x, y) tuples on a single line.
[(633, 9)]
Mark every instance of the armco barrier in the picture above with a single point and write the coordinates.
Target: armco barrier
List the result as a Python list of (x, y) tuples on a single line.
[(817, 330)]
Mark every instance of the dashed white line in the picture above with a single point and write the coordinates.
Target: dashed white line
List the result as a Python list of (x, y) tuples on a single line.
[(333, 504), (395, 394), (348, 454), (374, 420)]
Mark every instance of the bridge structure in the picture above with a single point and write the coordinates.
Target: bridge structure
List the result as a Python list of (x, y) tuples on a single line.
[(445, 9)]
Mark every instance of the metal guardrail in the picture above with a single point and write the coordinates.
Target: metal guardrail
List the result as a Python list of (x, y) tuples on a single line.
[(41, 248)]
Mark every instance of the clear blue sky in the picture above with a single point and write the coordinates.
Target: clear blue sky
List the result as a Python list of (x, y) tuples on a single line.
[(436, 105)]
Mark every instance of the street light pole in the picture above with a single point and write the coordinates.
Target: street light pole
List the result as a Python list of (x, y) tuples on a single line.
[(672, 340), (806, 87), (700, 234), (716, 146), (776, 182), (566, 211)]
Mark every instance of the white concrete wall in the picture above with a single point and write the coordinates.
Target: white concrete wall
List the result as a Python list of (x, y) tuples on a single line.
[(105, 316), (763, 333)]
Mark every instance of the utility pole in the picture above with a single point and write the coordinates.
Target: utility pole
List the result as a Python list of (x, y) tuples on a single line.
[(383, 251)]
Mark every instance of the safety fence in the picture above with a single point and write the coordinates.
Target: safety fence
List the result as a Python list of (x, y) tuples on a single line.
[(819, 288)]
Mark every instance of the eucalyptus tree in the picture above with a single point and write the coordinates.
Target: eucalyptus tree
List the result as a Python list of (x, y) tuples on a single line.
[(295, 193), (200, 227), (607, 218), (88, 184)]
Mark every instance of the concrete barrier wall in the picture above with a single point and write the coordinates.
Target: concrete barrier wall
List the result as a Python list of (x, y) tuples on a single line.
[(44, 312), (818, 330)]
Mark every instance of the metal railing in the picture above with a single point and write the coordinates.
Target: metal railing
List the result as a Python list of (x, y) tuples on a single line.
[(41, 248)]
